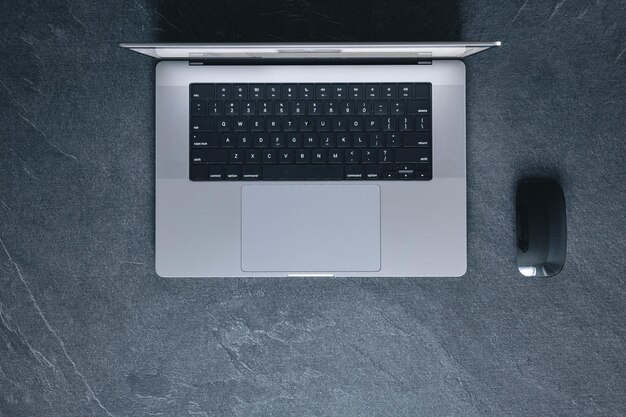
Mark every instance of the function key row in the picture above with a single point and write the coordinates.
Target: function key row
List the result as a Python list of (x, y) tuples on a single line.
[(299, 107), (311, 91)]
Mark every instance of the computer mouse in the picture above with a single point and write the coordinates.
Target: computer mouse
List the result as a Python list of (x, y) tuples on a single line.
[(541, 227)]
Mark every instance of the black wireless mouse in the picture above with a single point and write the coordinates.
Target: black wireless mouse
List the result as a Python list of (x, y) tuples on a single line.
[(541, 228)]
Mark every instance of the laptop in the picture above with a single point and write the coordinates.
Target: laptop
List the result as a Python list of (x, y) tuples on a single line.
[(310, 160)]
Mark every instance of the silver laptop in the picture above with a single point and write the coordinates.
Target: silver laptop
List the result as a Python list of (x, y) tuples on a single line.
[(302, 160)]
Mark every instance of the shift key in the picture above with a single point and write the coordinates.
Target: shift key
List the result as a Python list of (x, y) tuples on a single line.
[(213, 156), (412, 155)]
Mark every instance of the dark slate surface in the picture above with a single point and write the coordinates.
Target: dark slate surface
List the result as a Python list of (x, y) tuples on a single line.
[(88, 329)]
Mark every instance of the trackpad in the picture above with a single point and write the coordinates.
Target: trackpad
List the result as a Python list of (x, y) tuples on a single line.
[(310, 228)]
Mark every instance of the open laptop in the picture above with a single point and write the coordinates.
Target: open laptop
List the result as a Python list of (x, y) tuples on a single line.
[(310, 159)]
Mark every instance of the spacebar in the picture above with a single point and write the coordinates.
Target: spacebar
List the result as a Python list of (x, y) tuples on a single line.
[(302, 172)]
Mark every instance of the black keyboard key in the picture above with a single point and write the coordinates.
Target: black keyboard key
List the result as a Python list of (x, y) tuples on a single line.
[(202, 91), (322, 91), (290, 91), (416, 139), (385, 156), (335, 156), (231, 108), (355, 124), (273, 124), (327, 140), (397, 107), (340, 91), (294, 140), (406, 123), (270, 156), (408, 155), (223, 124), (372, 91), (256, 124), (405, 90), (339, 124), (389, 91), (369, 156), (286, 156), (381, 107), (199, 172), (303, 172), (310, 140), (306, 124), (421, 91), (240, 124), (261, 140), (322, 124), (416, 107), (228, 140), (290, 124), (343, 140), (422, 123), (376, 140), (264, 108), (389, 124), (199, 108), (248, 108), (257, 91), (352, 156), (240, 91), (251, 172), (199, 123), (223, 91), (364, 107), (303, 156), (236, 156), (348, 107), (424, 175), (272, 91), (393, 140), (281, 108), (244, 140), (318, 156), (253, 156), (355, 172), (233, 172), (210, 156), (298, 108), (314, 107), (356, 91), (215, 108), (359, 140), (331, 107), (205, 140), (216, 172), (372, 123), (373, 172), (306, 91), (278, 140)]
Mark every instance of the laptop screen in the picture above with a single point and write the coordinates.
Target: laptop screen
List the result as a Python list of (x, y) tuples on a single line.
[(430, 50)]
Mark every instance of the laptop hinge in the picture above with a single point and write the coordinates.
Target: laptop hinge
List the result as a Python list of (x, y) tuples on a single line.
[(304, 61)]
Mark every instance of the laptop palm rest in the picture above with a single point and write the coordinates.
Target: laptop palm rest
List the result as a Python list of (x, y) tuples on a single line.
[(310, 228)]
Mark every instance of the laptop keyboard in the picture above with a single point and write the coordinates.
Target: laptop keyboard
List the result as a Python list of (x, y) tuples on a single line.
[(344, 131)]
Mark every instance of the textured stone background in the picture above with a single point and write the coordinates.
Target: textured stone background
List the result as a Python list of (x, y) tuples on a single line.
[(88, 329)]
